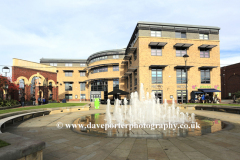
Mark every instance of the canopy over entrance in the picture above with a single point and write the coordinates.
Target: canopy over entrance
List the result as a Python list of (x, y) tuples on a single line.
[(208, 90), (118, 92)]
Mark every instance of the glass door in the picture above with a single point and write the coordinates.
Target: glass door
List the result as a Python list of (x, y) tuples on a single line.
[(181, 96)]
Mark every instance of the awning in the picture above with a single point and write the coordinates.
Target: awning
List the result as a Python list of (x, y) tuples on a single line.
[(127, 57), (159, 44), (131, 50), (207, 67), (101, 65), (118, 92), (158, 66), (182, 67), (209, 90), (127, 73), (132, 69), (124, 62), (68, 82), (125, 76), (185, 45), (81, 70), (207, 46), (67, 70)]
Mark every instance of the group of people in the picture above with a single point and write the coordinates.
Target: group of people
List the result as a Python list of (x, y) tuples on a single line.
[(205, 98), (41, 101)]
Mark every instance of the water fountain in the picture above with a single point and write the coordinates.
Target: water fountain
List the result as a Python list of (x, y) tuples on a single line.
[(147, 111)]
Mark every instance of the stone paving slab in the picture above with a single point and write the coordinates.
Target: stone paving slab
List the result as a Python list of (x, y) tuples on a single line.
[(66, 144)]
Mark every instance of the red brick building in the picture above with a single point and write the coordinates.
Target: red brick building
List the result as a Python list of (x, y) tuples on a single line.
[(230, 80)]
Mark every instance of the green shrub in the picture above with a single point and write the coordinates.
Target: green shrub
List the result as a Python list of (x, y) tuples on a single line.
[(237, 94), (238, 100)]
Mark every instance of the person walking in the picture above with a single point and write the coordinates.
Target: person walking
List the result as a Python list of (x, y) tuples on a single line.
[(203, 98), (43, 100), (207, 98), (34, 101), (39, 101), (22, 101), (234, 98)]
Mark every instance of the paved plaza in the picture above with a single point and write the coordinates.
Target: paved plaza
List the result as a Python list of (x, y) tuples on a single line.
[(66, 144)]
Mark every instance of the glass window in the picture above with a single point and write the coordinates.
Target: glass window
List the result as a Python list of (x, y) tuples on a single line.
[(68, 96), (82, 64), (115, 56), (115, 84), (156, 34), (68, 86), (203, 36), (135, 78), (82, 74), (115, 68), (156, 76), (180, 51), (135, 55), (181, 76), (130, 78), (82, 86), (68, 64), (53, 64), (68, 74), (83, 96), (181, 96), (204, 53), (180, 35), (156, 51), (205, 76)]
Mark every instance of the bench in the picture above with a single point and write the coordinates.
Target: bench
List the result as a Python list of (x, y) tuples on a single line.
[(11, 118)]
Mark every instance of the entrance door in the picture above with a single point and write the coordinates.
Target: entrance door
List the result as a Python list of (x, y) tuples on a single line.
[(181, 96), (95, 96), (159, 94)]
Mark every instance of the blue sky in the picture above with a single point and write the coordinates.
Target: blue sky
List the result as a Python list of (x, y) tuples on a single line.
[(31, 30)]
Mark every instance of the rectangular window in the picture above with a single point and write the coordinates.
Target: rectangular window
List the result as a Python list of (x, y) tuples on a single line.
[(203, 36), (180, 52), (180, 35), (115, 56), (156, 34), (130, 61), (181, 96), (156, 51), (68, 74), (115, 68), (204, 53), (53, 64), (205, 76), (68, 96), (127, 81), (82, 64), (115, 84), (181, 76), (156, 76), (68, 86), (82, 74), (135, 55), (83, 96), (100, 69), (82, 86), (130, 78), (68, 64), (135, 78)]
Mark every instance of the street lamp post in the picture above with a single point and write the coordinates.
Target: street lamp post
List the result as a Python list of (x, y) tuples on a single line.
[(185, 58), (5, 70)]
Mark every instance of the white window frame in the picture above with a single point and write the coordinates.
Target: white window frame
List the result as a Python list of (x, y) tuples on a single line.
[(53, 64), (68, 64), (115, 56), (204, 36), (156, 34)]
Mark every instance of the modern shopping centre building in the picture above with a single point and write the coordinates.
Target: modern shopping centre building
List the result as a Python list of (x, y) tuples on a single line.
[(153, 56)]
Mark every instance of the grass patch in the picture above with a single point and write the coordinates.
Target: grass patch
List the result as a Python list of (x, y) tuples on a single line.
[(51, 105), (3, 144), (214, 104)]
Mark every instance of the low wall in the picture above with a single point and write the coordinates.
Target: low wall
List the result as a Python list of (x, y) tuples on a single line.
[(21, 148)]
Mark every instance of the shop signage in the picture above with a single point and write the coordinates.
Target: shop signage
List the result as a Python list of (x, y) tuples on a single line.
[(203, 86), (181, 86)]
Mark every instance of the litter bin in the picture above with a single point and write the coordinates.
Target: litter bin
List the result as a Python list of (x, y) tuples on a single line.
[(96, 103)]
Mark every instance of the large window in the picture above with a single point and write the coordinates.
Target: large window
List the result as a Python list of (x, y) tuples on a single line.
[(115, 56), (180, 35), (83, 96), (135, 55), (82, 86), (130, 61), (100, 69), (98, 59), (203, 36), (82, 64), (68, 96), (82, 74), (158, 95), (115, 84), (68, 86), (156, 34), (115, 68), (205, 76), (180, 52), (99, 85), (156, 51), (68, 64), (135, 78), (68, 74), (156, 76), (53, 64), (181, 96), (181, 76), (204, 53)]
